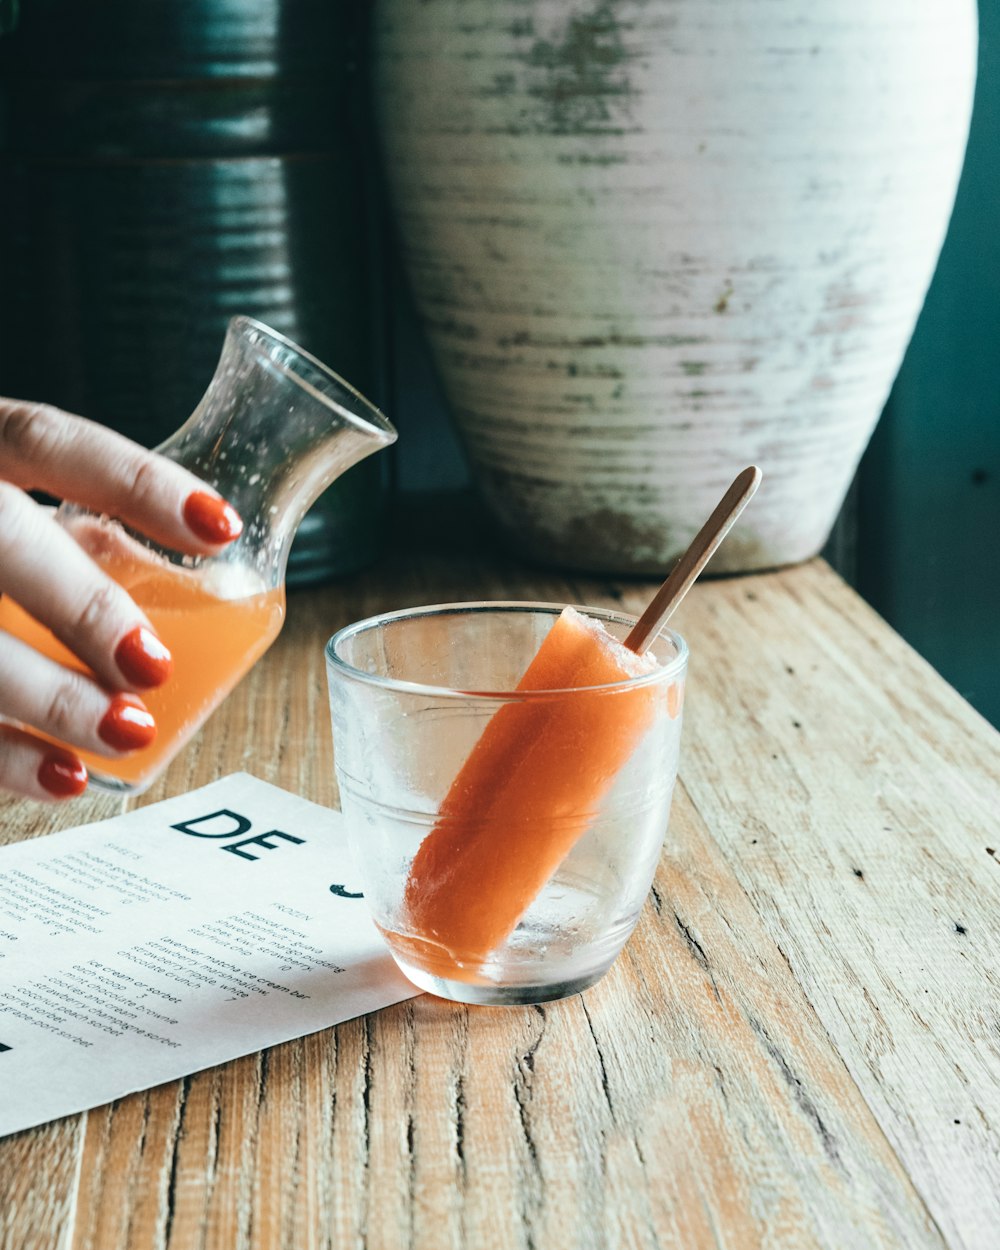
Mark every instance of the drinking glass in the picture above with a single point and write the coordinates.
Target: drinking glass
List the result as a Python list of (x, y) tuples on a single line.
[(412, 694), (273, 430)]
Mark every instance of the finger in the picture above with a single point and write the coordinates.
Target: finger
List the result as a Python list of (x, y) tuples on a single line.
[(38, 770), (68, 705), (44, 571), (42, 448)]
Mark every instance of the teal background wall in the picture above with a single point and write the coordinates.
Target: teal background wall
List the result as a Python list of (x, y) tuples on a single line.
[(928, 549)]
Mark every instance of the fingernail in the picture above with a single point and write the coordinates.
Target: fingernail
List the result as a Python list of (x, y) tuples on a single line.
[(211, 518), (143, 659), (62, 775), (127, 724)]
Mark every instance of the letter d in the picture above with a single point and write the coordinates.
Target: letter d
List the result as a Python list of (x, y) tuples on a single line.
[(240, 825)]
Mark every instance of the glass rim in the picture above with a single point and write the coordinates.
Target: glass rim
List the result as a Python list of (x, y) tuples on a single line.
[(663, 673), (372, 422)]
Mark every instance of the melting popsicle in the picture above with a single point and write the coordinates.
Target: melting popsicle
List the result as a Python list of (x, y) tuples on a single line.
[(534, 782), (531, 786)]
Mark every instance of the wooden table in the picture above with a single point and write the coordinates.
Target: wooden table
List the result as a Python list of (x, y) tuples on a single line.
[(799, 1047)]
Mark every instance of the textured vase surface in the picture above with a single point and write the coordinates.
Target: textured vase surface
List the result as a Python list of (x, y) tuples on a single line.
[(654, 242)]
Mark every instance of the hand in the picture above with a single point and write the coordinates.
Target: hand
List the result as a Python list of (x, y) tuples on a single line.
[(44, 571)]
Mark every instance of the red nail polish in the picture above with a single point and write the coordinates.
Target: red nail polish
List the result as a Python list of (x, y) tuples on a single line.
[(127, 724), (211, 518), (62, 775), (143, 659)]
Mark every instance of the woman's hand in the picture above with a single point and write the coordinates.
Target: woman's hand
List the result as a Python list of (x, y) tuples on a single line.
[(44, 571)]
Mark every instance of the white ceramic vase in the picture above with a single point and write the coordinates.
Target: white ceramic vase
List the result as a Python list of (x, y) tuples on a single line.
[(653, 241)]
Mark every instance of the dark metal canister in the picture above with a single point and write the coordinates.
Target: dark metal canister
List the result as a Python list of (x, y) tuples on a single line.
[(166, 165)]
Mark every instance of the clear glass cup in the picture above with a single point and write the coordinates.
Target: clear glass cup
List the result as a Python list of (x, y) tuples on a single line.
[(411, 696), (273, 430)]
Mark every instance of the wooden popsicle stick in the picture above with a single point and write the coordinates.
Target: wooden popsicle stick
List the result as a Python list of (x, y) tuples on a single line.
[(685, 571)]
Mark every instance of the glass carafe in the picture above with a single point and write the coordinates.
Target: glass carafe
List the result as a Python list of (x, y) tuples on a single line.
[(274, 429)]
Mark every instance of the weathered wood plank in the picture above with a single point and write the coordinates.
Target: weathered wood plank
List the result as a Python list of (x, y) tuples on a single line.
[(39, 1175), (855, 797)]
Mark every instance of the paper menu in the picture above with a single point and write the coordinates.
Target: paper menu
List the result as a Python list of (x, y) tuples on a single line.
[(146, 947)]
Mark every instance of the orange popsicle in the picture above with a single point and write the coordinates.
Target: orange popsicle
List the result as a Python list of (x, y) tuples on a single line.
[(534, 782), (531, 786)]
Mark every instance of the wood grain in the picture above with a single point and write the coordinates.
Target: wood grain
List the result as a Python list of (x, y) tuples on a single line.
[(870, 867), (778, 1059)]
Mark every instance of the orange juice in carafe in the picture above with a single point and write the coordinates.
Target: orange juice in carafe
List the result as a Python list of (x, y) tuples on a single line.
[(214, 638)]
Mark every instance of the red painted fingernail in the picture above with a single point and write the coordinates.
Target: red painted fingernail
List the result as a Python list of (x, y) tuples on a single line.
[(143, 659), (62, 775), (211, 518), (127, 724)]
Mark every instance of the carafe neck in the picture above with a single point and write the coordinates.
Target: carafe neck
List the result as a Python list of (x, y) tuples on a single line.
[(274, 429)]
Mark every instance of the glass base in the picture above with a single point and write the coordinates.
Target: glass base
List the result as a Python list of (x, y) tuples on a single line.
[(488, 994), (114, 785)]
